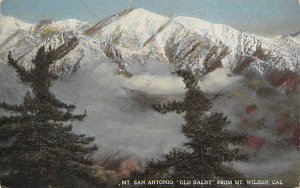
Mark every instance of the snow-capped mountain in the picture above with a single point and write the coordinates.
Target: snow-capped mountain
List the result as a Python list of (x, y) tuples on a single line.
[(133, 36), (136, 36)]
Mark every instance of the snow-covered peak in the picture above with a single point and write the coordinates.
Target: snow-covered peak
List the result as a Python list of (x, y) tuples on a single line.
[(70, 25), (136, 35), (224, 33), (10, 28), (193, 23), (132, 28), (142, 25), (142, 13), (141, 21), (9, 23)]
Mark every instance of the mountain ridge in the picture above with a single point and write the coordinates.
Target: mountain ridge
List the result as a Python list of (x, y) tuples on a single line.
[(135, 35)]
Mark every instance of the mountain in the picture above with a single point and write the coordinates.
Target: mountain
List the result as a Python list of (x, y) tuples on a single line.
[(192, 42), (137, 35), (141, 37)]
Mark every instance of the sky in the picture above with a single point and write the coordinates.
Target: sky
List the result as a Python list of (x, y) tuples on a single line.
[(258, 16)]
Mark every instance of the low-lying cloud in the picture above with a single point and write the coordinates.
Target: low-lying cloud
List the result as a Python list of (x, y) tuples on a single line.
[(121, 119), (114, 115), (218, 80)]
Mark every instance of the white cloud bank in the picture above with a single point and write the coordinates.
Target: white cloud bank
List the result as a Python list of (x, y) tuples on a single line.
[(118, 120), (220, 79)]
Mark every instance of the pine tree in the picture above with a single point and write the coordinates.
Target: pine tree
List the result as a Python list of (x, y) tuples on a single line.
[(38, 146), (209, 143)]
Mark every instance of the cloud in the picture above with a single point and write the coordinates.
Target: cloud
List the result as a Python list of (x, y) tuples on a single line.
[(220, 79), (118, 118), (122, 120), (267, 165), (115, 117), (11, 90), (157, 84)]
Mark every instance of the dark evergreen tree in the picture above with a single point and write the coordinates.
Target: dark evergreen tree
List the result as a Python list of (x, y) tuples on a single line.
[(38, 148), (209, 143)]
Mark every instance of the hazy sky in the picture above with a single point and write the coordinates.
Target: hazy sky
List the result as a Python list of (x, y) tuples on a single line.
[(260, 16)]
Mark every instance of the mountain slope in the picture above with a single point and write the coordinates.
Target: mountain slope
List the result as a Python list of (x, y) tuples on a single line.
[(140, 34), (134, 36)]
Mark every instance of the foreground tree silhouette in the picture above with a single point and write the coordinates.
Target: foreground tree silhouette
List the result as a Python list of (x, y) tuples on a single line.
[(38, 149), (209, 144)]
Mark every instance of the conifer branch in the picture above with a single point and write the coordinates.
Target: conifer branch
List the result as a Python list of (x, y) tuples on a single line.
[(12, 107), (174, 106), (15, 119), (55, 102), (221, 94), (22, 72), (168, 165)]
